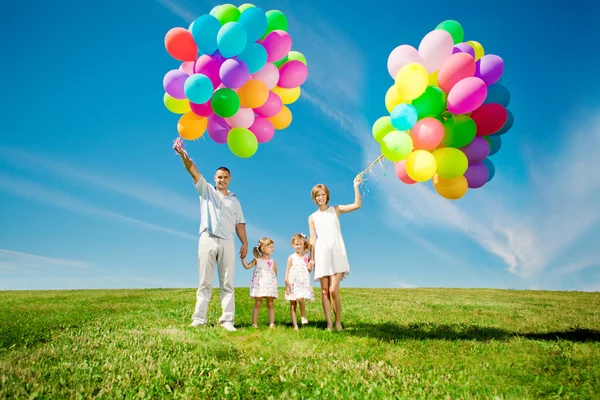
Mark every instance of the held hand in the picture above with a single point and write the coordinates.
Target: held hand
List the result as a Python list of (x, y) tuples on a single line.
[(287, 289), (244, 250), (178, 147), (311, 265), (358, 180)]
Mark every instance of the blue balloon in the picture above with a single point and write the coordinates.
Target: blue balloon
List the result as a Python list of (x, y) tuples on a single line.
[(509, 123), (205, 30), (254, 56), (404, 116), (198, 88), (498, 93), (491, 169), (255, 22), (495, 144), (231, 39)]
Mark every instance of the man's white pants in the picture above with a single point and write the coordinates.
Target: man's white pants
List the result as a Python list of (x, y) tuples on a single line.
[(214, 250)]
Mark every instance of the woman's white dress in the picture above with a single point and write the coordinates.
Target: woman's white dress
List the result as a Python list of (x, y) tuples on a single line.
[(330, 250)]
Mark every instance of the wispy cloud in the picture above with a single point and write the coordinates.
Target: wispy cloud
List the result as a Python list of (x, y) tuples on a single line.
[(65, 201), (180, 8), (17, 261)]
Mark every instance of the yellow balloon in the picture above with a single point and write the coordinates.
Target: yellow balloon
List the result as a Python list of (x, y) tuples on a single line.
[(433, 78), (411, 81), (191, 126), (451, 189), (288, 96), (420, 165), (478, 49), (392, 99), (282, 120), (176, 106)]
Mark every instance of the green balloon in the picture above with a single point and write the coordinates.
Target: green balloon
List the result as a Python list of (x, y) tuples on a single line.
[(242, 142), (431, 103), (488, 140), (227, 13), (451, 162), (396, 146), (245, 6), (382, 127), (296, 55), (459, 131), (454, 29), (225, 102), (276, 21)]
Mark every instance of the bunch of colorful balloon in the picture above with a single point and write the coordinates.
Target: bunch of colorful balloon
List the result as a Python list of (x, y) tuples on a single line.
[(447, 112), (237, 77)]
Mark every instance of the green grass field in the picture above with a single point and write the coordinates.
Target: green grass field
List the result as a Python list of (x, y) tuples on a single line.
[(404, 343)]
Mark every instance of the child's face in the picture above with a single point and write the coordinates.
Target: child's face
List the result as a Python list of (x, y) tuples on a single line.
[(321, 197), (298, 245), (269, 249)]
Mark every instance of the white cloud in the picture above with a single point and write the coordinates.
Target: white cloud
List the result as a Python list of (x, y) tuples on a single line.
[(405, 285), (62, 200), (180, 8), (17, 261)]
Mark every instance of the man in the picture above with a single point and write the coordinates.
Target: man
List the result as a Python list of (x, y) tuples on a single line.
[(221, 217)]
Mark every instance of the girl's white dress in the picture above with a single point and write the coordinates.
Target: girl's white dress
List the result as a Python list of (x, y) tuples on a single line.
[(264, 281), (299, 279), (330, 250)]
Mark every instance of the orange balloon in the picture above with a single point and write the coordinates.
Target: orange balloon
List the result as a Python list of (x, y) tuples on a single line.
[(180, 44), (191, 126), (282, 120), (253, 94), (451, 189)]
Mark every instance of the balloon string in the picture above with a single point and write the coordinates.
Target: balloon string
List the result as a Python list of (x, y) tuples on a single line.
[(378, 159)]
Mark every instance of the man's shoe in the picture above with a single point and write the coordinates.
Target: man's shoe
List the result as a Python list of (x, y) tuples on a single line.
[(197, 323), (228, 326)]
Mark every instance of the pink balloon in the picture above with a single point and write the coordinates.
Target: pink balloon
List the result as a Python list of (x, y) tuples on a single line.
[(187, 67), (456, 67), (203, 110), (271, 107), (243, 118), (218, 130), (263, 129), (269, 74), (278, 44), (400, 167), (435, 47), (400, 56), (427, 134), (292, 74), (210, 67), (466, 96)]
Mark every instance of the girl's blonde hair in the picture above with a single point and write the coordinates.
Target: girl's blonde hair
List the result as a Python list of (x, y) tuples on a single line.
[(316, 189), (257, 251), (301, 236)]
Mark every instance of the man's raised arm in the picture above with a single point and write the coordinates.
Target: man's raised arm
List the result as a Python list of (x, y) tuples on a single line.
[(187, 161)]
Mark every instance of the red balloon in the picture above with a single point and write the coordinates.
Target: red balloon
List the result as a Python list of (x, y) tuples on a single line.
[(400, 167), (180, 44), (489, 118)]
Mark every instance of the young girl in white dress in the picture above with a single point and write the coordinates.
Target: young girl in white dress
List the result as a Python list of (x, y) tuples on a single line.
[(298, 287), (328, 251), (264, 279)]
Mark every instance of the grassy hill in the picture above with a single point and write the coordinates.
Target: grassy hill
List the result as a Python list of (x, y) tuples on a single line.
[(397, 343)]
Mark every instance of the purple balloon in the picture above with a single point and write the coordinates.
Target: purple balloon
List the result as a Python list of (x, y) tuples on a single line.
[(218, 129), (477, 150), (174, 82), (477, 175), (234, 73), (464, 48), (489, 68)]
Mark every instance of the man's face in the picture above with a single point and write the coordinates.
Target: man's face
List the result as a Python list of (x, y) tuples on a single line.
[(222, 179)]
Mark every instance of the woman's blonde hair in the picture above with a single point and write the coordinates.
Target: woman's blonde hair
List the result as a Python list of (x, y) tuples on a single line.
[(301, 236), (316, 189), (257, 251)]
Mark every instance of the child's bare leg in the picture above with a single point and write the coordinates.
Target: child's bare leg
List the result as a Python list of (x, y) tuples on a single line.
[(302, 303), (293, 314), (271, 310), (326, 301), (334, 289), (256, 310)]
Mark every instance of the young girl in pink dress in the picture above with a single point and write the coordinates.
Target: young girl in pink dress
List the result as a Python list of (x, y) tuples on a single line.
[(264, 279), (328, 251), (298, 287)]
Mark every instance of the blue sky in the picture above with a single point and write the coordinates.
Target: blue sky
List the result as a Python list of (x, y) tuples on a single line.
[(92, 196)]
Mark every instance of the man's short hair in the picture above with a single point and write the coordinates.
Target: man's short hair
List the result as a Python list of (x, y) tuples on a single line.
[(223, 169)]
